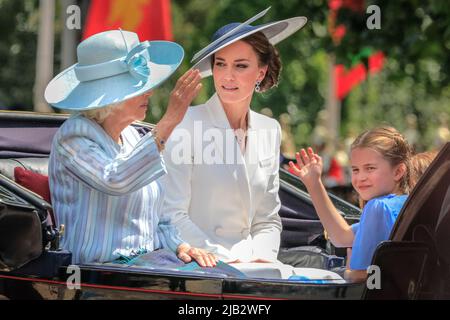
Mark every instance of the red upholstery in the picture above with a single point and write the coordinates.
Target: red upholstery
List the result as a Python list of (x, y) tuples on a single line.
[(36, 182)]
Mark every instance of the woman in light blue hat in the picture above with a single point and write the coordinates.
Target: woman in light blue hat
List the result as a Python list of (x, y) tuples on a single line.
[(103, 174)]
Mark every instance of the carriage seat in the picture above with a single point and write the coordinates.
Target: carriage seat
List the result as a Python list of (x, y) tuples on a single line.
[(38, 165), (33, 174)]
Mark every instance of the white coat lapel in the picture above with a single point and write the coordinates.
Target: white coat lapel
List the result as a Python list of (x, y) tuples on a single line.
[(251, 149), (237, 168)]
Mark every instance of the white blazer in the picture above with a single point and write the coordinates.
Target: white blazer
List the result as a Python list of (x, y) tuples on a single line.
[(219, 199)]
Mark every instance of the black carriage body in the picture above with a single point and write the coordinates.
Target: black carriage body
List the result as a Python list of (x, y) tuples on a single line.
[(51, 276)]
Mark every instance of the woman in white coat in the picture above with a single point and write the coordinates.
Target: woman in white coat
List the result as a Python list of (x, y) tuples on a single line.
[(223, 158)]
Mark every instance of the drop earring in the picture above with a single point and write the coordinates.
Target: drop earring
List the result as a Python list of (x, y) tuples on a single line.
[(257, 87)]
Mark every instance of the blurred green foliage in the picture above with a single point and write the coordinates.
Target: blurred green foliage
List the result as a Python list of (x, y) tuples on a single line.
[(414, 35), (18, 25)]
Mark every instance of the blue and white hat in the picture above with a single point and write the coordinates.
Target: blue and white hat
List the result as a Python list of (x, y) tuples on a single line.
[(230, 33), (113, 66)]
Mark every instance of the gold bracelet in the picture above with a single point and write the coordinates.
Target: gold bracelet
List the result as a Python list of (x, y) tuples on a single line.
[(159, 142)]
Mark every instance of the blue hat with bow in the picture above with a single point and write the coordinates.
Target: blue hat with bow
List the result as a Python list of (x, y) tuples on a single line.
[(230, 33), (113, 66)]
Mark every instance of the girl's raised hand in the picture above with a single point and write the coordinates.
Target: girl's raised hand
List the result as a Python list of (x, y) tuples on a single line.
[(308, 167)]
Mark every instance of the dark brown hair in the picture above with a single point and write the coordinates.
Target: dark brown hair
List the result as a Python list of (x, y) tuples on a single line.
[(267, 55)]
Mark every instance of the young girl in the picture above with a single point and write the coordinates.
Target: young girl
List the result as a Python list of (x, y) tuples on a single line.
[(380, 174)]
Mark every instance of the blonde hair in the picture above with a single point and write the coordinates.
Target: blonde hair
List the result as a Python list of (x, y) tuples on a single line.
[(393, 147), (99, 115), (419, 164)]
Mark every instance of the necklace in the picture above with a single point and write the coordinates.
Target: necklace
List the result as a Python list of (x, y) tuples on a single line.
[(241, 136)]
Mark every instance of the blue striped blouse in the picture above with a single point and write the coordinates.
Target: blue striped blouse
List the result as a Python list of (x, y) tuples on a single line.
[(107, 195)]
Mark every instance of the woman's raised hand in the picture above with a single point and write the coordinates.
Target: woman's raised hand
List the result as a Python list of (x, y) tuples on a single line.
[(308, 167), (186, 89)]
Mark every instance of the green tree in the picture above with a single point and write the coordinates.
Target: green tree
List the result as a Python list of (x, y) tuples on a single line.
[(302, 87), (18, 22), (414, 35)]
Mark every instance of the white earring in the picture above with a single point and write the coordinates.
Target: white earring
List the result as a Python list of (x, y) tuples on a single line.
[(257, 87)]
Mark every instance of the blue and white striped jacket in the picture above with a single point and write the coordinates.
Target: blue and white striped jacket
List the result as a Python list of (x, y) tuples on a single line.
[(107, 195)]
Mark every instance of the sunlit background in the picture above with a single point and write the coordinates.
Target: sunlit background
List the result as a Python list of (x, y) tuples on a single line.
[(339, 77)]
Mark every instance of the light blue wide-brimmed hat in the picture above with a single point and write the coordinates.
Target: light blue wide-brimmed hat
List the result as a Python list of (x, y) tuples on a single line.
[(113, 66), (230, 33)]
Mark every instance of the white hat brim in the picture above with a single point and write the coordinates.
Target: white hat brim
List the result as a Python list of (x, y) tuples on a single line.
[(275, 33)]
